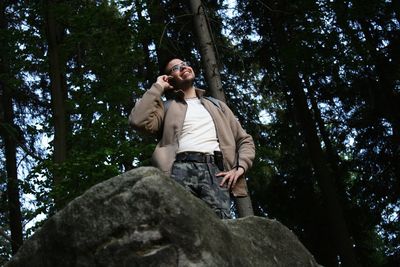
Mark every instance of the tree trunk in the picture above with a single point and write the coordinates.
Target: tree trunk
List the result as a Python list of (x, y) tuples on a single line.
[(325, 178), (58, 91), (324, 173), (10, 135), (206, 44), (10, 144), (332, 156), (212, 75)]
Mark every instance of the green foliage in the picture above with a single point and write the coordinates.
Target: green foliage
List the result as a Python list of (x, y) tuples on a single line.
[(338, 50)]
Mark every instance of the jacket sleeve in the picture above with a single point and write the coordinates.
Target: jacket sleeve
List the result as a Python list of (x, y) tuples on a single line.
[(245, 147), (148, 113)]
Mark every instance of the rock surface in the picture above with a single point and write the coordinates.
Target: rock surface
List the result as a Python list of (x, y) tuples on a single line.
[(142, 218)]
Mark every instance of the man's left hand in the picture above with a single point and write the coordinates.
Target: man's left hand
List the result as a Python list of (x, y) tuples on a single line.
[(230, 177)]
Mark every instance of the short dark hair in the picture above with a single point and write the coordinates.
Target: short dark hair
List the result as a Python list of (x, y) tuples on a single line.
[(164, 63)]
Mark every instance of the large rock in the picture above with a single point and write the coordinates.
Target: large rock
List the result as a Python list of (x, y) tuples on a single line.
[(142, 218)]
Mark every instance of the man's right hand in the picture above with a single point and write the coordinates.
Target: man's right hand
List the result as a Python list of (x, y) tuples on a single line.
[(163, 81)]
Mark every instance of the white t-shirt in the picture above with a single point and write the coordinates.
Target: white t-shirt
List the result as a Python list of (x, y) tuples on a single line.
[(198, 131)]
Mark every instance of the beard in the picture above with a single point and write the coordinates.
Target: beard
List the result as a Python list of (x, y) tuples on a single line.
[(184, 84)]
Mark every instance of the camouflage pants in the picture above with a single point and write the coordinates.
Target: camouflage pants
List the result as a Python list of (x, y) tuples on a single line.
[(201, 181)]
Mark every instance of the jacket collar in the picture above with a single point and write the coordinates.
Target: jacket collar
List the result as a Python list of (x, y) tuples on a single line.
[(200, 92), (179, 95)]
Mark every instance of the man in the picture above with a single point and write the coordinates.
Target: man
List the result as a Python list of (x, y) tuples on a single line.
[(203, 146)]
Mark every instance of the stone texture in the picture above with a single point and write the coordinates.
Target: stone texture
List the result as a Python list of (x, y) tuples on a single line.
[(142, 218)]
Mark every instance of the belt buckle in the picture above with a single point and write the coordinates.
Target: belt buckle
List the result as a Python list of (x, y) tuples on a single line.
[(196, 156)]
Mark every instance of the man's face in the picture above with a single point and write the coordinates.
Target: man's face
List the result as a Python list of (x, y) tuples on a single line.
[(182, 74)]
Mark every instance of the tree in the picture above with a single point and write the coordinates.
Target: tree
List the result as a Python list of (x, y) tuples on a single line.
[(10, 135), (206, 45), (57, 65), (210, 65), (319, 58)]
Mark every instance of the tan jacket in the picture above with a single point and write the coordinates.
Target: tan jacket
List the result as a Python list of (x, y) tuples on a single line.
[(236, 145)]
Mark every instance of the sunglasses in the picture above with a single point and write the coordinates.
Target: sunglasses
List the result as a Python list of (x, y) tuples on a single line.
[(179, 67)]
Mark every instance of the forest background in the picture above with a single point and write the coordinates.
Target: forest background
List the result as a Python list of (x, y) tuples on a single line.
[(316, 83)]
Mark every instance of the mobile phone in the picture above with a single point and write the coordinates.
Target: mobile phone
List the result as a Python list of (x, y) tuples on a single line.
[(171, 81)]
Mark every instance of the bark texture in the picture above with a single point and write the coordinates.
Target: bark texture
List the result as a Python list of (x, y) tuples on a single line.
[(54, 35)]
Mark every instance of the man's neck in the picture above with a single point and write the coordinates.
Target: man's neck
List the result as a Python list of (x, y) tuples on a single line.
[(190, 92)]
